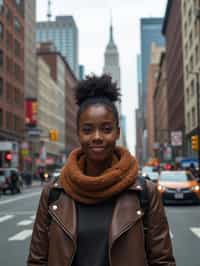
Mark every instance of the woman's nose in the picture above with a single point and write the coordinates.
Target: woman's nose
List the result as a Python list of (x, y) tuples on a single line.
[(97, 134)]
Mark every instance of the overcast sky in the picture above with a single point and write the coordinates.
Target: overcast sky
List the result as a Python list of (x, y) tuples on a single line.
[(93, 19)]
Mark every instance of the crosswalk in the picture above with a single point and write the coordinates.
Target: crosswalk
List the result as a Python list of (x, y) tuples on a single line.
[(26, 231)]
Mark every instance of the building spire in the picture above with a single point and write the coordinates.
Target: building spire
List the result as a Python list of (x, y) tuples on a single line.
[(111, 27), (49, 15)]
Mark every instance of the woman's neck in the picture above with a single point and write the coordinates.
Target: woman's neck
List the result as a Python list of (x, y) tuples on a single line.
[(97, 168)]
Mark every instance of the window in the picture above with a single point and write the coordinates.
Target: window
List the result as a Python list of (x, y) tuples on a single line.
[(197, 53), (17, 25), (188, 120), (192, 88), (193, 117), (1, 6), (187, 94), (1, 58), (1, 118), (1, 31), (16, 48), (191, 63), (1, 87), (190, 39)]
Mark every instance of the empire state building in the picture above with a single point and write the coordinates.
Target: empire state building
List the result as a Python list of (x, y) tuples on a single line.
[(112, 68)]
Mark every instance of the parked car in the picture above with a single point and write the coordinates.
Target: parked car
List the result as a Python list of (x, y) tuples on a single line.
[(178, 187), (153, 176), (10, 180)]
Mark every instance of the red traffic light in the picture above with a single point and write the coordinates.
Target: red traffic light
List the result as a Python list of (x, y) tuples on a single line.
[(8, 156)]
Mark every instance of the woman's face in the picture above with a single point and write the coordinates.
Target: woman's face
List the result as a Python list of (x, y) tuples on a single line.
[(98, 132)]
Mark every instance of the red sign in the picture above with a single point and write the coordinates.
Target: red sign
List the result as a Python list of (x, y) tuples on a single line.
[(31, 112)]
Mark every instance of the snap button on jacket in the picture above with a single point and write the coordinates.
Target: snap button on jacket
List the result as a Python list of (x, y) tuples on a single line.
[(54, 238)]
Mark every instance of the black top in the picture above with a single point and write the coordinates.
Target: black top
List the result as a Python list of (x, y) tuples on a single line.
[(93, 223)]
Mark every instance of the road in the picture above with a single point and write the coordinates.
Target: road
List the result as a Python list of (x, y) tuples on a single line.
[(17, 215)]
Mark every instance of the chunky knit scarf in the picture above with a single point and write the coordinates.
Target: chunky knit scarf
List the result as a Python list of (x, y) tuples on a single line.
[(90, 189)]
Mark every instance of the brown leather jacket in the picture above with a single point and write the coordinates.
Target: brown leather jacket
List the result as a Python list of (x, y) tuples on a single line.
[(54, 243)]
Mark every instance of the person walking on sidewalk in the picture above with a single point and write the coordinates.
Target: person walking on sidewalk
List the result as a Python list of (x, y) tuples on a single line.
[(97, 219)]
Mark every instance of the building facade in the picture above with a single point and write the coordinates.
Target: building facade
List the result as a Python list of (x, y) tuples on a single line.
[(49, 117), (191, 65), (30, 86), (11, 76), (150, 31), (63, 32), (161, 109), (66, 80), (172, 29), (151, 85)]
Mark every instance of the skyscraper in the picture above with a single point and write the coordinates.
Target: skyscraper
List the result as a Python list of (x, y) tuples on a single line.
[(111, 61), (151, 31), (111, 67), (63, 33)]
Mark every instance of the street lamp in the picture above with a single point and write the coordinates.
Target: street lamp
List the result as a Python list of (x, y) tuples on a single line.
[(198, 114)]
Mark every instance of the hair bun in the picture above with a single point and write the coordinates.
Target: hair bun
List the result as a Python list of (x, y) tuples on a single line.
[(97, 87)]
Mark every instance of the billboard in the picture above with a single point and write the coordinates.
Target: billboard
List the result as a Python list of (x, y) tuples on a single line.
[(31, 112)]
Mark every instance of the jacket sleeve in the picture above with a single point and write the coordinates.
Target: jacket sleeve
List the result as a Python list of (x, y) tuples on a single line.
[(159, 246), (38, 253)]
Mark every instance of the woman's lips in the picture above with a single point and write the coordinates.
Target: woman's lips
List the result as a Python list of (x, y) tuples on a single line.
[(97, 149)]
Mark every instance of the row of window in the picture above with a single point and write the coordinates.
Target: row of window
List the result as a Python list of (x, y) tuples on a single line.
[(13, 69), (191, 119), (13, 95), (12, 121)]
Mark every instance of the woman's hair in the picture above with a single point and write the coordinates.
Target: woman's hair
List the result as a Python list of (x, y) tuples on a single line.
[(96, 90)]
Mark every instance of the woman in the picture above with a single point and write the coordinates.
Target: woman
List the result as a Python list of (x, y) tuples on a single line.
[(97, 220)]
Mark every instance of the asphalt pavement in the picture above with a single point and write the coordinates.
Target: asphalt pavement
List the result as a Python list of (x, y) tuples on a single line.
[(17, 214)]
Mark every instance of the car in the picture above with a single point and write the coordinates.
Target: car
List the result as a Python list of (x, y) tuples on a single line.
[(153, 176), (178, 187), (10, 180)]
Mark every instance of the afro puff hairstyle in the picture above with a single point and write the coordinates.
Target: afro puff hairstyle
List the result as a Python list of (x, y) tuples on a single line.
[(96, 90)]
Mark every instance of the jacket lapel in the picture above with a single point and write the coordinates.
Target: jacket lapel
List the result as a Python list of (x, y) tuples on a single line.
[(126, 212), (64, 211)]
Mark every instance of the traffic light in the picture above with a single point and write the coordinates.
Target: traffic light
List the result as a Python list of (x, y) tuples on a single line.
[(195, 143), (53, 134), (8, 156)]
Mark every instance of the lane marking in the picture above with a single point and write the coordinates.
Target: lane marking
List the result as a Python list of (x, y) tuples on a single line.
[(21, 235), (17, 212), (32, 217), (24, 223), (5, 218), (195, 231), (20, 198)]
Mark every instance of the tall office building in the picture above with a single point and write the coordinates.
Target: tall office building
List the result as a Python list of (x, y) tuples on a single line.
[(151, 31), (63, 32), (30, 88)]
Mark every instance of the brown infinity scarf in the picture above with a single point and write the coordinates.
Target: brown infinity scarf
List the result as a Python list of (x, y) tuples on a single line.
[(90, 189)]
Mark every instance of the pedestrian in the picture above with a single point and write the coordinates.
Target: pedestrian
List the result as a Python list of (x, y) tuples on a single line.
[(96, 218)]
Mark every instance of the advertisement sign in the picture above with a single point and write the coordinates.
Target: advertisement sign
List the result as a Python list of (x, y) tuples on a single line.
[(31, 112), (176, 138)]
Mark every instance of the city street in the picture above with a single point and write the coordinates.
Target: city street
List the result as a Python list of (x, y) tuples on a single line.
[(17, 214)]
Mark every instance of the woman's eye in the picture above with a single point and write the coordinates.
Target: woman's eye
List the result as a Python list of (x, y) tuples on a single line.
[(87, 130), (107, 129)]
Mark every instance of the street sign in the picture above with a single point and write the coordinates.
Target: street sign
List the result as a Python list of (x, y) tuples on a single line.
[(34, 132), (176, 138)]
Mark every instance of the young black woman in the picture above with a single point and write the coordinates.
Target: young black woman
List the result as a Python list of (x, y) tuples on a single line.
[(97, 219)]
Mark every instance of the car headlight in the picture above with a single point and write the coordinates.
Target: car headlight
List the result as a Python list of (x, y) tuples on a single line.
[(196, 188), (161, 188)]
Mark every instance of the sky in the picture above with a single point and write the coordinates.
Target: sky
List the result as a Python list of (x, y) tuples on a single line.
[(93, 18)]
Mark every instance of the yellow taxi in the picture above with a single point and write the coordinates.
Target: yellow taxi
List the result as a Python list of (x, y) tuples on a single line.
[(178, 187)]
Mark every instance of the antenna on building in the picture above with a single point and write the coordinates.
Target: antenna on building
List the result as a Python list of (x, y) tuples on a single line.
[(111, 27), (49, 15)]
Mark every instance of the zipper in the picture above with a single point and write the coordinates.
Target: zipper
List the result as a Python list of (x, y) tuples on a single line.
[(126, 228), (67, 232)]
